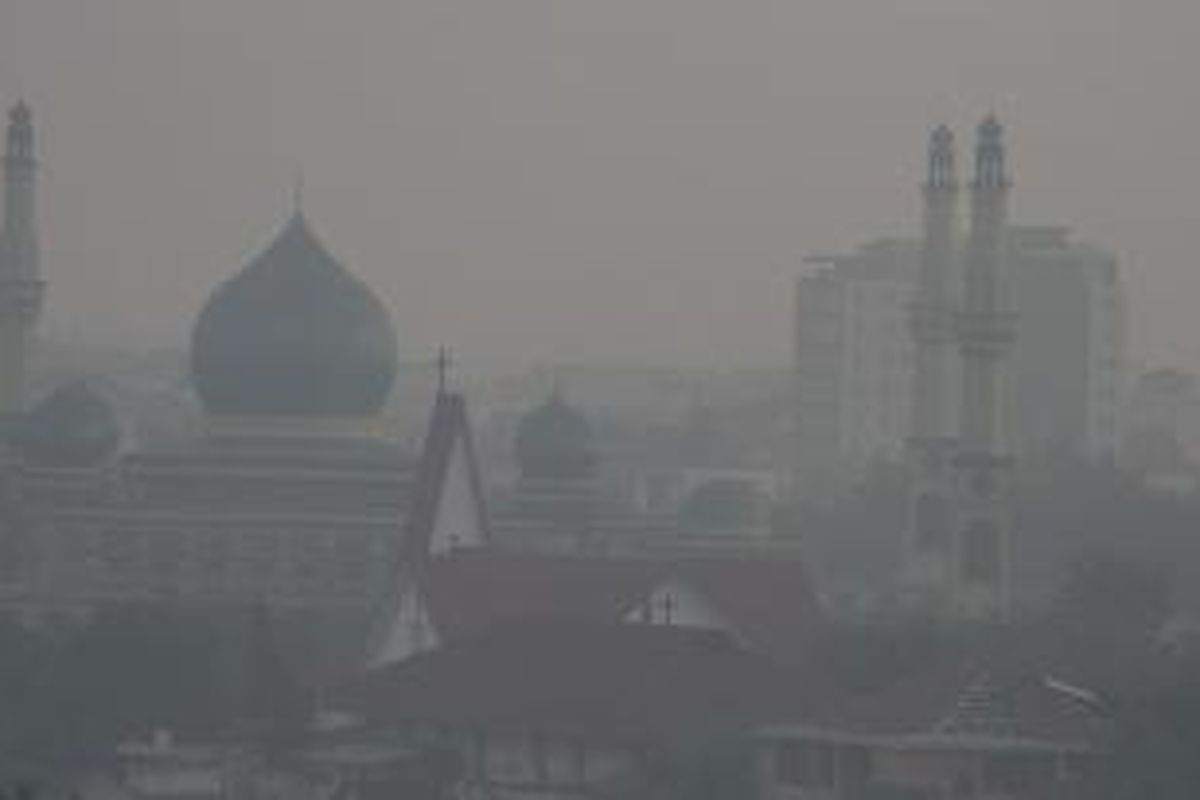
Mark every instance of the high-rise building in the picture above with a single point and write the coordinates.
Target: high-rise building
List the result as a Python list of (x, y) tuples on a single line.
[(1069, 363), (853, 365), (855, 359), (21, 287)]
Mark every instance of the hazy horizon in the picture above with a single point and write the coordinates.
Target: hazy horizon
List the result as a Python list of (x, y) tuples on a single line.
[(531, 180)]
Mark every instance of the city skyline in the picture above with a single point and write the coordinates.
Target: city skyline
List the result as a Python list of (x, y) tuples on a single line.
[(470, 162)]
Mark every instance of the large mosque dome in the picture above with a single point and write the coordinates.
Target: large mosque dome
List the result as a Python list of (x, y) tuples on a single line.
[(293, 333)]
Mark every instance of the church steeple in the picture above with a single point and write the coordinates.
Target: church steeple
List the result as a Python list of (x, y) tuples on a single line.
[(21, 287)]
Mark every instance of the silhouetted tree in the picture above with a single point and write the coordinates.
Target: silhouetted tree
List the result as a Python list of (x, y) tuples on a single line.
[(1156, 755)]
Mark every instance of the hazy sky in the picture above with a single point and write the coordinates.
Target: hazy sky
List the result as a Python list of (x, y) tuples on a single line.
[(575, 179)]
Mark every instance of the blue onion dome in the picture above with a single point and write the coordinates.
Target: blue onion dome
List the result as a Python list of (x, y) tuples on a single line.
[(554, 442), (294, 333), (73, 426)]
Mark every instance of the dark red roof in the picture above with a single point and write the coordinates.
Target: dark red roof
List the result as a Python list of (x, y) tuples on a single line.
[(960, 702), (612, 682), (768, 602)]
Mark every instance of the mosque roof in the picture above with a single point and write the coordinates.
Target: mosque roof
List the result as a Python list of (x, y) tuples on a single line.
[(73, 426), (554, 441), (293, 333)]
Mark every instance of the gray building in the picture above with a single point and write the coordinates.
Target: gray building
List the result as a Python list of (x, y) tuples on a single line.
[(853, 356)]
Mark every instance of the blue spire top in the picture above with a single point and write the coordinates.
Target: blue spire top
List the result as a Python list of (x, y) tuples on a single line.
[(20, 131), (989, 154), (941, 158)]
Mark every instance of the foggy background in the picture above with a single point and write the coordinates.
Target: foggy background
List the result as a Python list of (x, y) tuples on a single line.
[(560, 180)]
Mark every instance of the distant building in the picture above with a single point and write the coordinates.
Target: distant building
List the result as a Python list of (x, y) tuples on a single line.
[(679, 489), (1069, 361), (854, 357), (1161, 435), (557, 466), (853, 364), (21, 287)]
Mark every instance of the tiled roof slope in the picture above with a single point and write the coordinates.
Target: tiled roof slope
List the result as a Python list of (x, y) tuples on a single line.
[(617, 682), (769, 603)]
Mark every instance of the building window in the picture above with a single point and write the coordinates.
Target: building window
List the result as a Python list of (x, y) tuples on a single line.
[(478, 758), (983, 483), (579, 753), (811, 765), (539, 758), (931, 519), (981, 552), (855, 767)]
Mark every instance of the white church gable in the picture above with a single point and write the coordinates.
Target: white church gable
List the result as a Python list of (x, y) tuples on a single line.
[(457, 521), (674, 603), (408, 631)]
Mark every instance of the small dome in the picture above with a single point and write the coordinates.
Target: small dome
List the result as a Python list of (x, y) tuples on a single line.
[(73, 426), (294, 333), (554, 441)]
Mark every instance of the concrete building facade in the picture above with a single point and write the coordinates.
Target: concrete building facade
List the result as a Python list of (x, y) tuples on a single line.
[(21, 286), (854, 359)]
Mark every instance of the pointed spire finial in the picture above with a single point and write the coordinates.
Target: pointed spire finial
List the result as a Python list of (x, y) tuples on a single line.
[(444, 362), (20, 131), (941, 158), (989, 154), (558, 393), (298, 194)]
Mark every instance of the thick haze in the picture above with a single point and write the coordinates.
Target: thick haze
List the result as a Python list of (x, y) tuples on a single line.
[(630, 180)]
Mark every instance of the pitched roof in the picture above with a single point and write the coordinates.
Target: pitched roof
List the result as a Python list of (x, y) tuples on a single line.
[(768, 602), (961, 703), (448, 427), (617, 682)]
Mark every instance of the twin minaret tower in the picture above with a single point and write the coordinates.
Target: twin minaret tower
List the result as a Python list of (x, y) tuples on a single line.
[(21, 286), (959, 537)]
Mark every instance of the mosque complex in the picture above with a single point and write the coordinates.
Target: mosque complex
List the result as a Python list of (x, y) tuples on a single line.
[(293, 495)]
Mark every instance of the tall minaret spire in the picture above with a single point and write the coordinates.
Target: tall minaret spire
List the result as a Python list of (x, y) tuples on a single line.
[(983, 540), (21, 287), (931, 444)]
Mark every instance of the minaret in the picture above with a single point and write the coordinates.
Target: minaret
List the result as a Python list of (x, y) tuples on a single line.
[(931, 445), (983, 541), (21, 288)]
